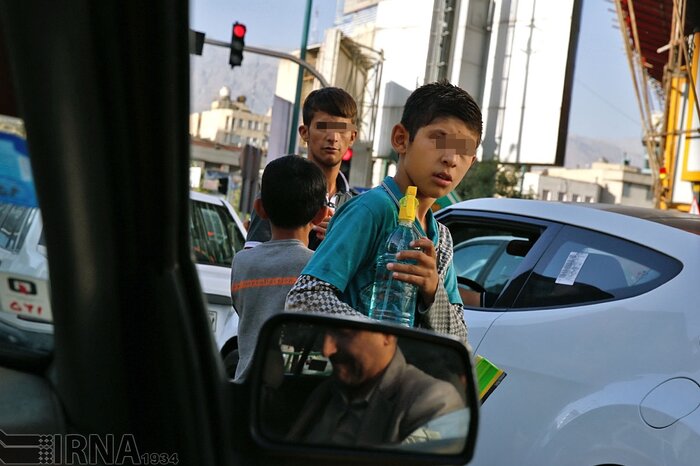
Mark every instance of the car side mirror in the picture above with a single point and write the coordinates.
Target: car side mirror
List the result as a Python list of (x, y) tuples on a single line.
[(519, 247), (378, 392)]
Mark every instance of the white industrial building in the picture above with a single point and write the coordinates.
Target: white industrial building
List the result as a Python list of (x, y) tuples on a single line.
[(514, 57)]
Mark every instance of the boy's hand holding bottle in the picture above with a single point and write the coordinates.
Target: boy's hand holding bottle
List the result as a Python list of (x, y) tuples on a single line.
[(423, 273)]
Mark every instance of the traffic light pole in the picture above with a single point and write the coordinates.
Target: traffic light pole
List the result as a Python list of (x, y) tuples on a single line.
[(274, 53), (300, 79)]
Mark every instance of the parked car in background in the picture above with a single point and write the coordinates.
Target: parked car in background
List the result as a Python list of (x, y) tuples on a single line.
[(592, 312), (216, 234)]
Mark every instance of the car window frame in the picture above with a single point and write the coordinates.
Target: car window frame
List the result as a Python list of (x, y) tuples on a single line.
[(549, 230)]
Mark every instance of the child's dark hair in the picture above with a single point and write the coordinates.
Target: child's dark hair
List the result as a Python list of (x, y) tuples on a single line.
[(331, 100), (437, 100), (292, 192)]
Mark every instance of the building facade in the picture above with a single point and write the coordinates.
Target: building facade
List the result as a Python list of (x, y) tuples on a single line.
[(230, 122), (604, 182)]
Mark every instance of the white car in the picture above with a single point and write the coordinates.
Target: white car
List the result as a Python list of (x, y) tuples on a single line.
[(217, 233), (215, 230), (597, 327)]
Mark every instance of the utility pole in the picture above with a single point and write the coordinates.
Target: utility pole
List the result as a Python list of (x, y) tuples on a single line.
[(300, 79)]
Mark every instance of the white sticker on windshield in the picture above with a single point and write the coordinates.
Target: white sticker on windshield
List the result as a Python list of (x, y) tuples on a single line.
[(571, 268)]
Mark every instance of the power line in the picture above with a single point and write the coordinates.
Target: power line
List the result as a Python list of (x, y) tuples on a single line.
[(606, 101)]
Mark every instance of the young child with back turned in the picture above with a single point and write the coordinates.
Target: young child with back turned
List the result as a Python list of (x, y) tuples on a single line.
[(293, 199)]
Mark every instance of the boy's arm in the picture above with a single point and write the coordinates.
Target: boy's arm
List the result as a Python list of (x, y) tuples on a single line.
[(310, 294), (258, 231), (446, 313), (336, 261), (444, 316)]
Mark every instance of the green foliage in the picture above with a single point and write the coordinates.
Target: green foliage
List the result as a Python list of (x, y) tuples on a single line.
[(490, 179), (480, 181)]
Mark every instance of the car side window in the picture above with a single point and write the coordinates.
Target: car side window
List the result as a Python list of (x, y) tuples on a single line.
[(488, 252), (469, 259), (583, 266), (210, 234)]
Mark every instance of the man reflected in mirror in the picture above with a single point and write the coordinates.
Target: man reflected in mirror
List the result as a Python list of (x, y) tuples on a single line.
[(374, 397)]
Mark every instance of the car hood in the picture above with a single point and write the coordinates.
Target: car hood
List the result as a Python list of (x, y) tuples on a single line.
[(215, 280)]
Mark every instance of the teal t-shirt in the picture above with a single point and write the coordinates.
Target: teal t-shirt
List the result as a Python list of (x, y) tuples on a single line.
[(346, 257)]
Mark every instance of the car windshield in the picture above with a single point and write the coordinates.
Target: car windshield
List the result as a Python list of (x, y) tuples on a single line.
[(213, 234)]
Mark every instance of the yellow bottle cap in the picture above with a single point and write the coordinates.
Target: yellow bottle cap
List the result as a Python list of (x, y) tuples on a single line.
[(408, 205)]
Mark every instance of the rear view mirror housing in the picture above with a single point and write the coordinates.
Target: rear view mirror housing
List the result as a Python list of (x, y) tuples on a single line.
[(411, 393)]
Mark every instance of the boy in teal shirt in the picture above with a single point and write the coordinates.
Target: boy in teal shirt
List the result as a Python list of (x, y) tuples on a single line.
[(436, 141)]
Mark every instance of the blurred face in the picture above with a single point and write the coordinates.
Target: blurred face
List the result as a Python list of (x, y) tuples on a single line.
[(438, 157), (358, 356), (328, 138)]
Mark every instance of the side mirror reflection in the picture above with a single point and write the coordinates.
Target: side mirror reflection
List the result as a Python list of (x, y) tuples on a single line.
[(361, 385)]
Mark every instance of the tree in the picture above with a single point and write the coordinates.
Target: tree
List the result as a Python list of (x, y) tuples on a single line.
[(490, 179)]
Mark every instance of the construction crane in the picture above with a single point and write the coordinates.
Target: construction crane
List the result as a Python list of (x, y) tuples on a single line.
[(662, 41)]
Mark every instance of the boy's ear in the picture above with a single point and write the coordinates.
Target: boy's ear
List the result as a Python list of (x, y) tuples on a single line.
[(259, 209), (304, 133), (353, 138), (320, 215), (399, 138)]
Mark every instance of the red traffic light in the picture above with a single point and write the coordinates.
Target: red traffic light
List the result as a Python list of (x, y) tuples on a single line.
[(239, 30), (237, 44)]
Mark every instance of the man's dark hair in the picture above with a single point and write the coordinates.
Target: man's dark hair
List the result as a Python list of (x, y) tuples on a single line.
[(293, 190), (331, 100), (439, 100)]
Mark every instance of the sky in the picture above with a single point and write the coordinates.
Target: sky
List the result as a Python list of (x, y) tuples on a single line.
[(275, 24), (603, 102)]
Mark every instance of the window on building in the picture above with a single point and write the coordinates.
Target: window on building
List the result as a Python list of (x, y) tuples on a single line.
[(589, 199), (561, 196), (626, 190), (250, 124), (240, 123), (546, 195), (576, 197)]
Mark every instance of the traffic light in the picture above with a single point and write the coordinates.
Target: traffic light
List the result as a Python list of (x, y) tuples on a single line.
[(196, 42), (345, 163), (237, 44)]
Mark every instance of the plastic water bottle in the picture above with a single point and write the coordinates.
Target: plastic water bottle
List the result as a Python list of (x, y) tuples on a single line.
[(393, 300)]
